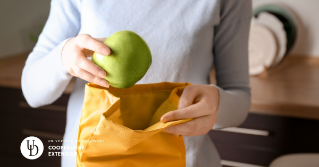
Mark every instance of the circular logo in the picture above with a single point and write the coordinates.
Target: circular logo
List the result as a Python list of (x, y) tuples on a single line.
[(31, 147)]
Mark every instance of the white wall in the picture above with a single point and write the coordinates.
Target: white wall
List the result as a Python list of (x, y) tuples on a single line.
[(17, 19), (20, 17), (307, 13)]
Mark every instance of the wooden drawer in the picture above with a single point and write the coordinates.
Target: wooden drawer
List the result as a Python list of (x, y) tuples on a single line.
[(16, 111), (13, 130), (285, 135), (243, 155), (12, 100), (18, 121)]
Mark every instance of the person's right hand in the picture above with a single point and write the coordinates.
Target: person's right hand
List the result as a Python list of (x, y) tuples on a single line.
[(74, 58)]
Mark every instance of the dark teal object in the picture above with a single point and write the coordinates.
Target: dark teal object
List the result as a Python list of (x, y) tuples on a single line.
[(285, 17)]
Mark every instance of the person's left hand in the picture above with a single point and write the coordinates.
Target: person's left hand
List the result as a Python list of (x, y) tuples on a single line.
[(199, 102)]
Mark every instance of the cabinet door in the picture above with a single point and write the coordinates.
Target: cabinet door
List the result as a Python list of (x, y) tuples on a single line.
[(275, 136), (18, 121)]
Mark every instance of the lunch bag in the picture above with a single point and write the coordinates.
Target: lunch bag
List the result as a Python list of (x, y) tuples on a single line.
[(121, 127)]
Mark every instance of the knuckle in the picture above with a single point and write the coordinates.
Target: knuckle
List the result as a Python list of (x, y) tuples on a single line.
[(71, 71), (183, 101), (77, 61), (79, 38), (77, 72), (83, 38), (96, 80), (94, 70), (189, 88)]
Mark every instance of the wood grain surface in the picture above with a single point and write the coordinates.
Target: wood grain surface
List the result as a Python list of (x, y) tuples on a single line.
[(11, 72), (290, 89)]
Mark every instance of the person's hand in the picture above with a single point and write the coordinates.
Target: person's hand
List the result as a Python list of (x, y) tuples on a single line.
[(74, 58), (199, 102)]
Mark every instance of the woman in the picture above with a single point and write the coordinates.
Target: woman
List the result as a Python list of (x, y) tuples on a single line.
[(185, 37)]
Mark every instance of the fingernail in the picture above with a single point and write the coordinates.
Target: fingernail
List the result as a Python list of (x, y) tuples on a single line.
[(102, 73)]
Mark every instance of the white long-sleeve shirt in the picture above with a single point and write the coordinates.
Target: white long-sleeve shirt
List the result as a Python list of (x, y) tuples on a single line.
[(186, 39)]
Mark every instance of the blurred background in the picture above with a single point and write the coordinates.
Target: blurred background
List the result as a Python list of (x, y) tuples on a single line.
[(282, 128)]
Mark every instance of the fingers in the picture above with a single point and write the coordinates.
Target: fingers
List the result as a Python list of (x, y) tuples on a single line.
[(186, 107), (89, 53), (85, 64), (85, 41), (187, 97), (193, 111), (78, 72), (74, 58), (199, 102), (195, 127)]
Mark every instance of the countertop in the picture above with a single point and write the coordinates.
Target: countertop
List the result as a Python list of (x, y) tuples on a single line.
[(11, 71), (289, 89)]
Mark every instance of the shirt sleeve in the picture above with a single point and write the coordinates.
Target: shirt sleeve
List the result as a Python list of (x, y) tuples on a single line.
[(231, 62), (44, 76)]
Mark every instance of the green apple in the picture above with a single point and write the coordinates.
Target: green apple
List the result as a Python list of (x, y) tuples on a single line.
[(129, 60)]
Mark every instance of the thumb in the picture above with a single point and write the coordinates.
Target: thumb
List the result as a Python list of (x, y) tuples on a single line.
[(186, 99), (188, 96)]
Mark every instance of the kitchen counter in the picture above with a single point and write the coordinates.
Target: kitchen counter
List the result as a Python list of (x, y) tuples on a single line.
[(11, 71), (290, 89)]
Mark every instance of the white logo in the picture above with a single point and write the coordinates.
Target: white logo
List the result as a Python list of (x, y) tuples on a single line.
[(31, 147)]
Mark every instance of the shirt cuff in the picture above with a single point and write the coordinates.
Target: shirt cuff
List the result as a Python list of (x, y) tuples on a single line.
[(233, 108), (55, 58)]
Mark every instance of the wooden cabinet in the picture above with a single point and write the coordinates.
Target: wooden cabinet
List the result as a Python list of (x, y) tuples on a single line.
[(18, 121), (285, 135)]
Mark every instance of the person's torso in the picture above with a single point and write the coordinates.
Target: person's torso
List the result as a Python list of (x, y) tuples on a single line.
[(180, 36), (179, 33)]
